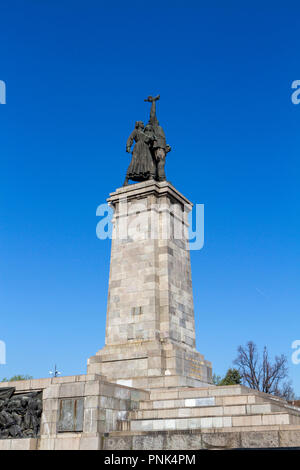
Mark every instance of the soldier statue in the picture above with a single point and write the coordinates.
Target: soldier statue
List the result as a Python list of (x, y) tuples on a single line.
[(150, 149), (160, 147)]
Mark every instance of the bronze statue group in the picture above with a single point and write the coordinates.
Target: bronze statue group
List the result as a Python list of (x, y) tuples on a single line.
[(20, 414), (150, 149)]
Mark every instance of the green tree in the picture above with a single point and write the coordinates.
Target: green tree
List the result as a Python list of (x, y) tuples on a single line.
[(17, 377), (232, 377)]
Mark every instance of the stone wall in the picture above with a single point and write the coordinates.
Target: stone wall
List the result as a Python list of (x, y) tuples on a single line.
[(77, 412), (196, 439)]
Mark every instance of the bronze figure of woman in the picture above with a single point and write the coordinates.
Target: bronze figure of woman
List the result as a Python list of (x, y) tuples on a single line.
[(142, 166)]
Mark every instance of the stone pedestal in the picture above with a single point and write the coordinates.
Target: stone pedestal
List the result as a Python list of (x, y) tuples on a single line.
[(85, 412), (150, 331)]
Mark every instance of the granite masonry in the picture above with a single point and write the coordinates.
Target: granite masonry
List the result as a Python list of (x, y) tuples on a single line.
[(148, 388), (150, 330)]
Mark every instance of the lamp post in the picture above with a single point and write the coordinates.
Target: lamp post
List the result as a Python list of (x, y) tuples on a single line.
[(54, 373)]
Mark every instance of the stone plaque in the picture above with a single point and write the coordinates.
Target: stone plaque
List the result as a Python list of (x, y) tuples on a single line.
[(70, 415)]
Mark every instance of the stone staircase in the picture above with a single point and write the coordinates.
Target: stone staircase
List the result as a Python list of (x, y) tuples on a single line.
[(221, 408)]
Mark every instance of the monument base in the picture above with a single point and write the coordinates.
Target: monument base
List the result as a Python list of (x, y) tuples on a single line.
[(151, 364), (87, 412)]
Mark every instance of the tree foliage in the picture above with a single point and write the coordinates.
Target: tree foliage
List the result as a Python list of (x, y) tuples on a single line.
[(17, 377), (232, 377)]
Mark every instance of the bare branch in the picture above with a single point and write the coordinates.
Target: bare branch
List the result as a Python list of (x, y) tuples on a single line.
[(265, 376)]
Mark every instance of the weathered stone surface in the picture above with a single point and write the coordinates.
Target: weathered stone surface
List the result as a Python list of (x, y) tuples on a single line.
[(89, 443), (151, 442), (19, 444), (150, 331), (117, 443), (70, 442), (221, 440), (182, 442), (260, 439), (289, 438)]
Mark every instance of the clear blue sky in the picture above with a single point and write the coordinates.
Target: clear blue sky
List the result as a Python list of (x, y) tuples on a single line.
[(77, 74)]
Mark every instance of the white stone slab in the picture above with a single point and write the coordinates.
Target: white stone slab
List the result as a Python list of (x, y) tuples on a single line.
[(197, 402)]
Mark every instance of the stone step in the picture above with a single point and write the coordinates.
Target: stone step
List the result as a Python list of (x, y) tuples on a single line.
[(202, 401), (199, 392), (209, 422), (227, 395), (204, 411)]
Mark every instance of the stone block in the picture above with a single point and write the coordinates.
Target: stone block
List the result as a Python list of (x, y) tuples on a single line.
[(289, 438), (179, 442), (24, 444), (20, 385), (92, 388), (64, 379), (209, 401), (163, 394), (159, 404), (150, 442), (158, 425), (234, 410), (122, 393), (240, 421), (221, 440), (117, 443), (193, 393), (257, 409), (170, 424), (46, 443), (39, 384), (273, 419), (48, 428), (91, 401), (212, 411), (208, 423), (90, 422), (262, 439), (185, 412), (89, 443), (53, 391), (5, 444), (224, 391), (232, 400), (49, 416), (181, 424), (67, 443), (50, 404)]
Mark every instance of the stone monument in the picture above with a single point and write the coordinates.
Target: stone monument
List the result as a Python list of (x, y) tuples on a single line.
[(148, 387), (150, 328)]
